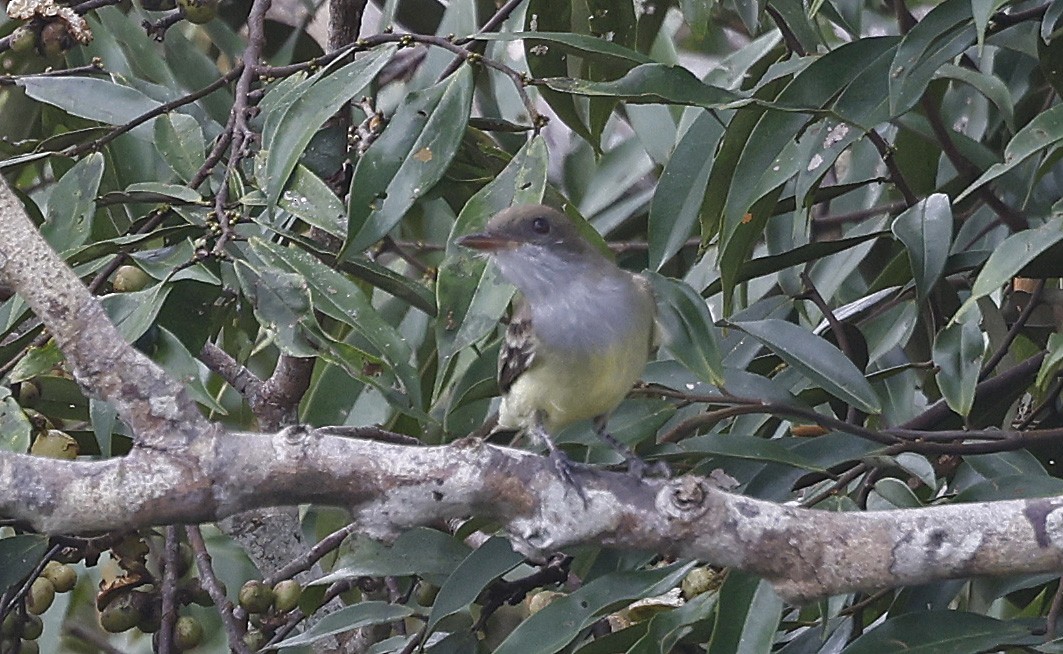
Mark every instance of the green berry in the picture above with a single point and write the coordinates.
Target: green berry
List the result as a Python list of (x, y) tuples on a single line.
[(130, 278), (33, 627), (255, 640), (40, 597), (198, 11), (120, 615), (286, 595), (62, 576), (255, 596), (23, 39), (187, 633)]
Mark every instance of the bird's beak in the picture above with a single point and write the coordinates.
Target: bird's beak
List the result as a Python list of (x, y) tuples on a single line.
[(485, 241)]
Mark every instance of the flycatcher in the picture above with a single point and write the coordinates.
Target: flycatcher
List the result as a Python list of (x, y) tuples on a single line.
[(581, 331)]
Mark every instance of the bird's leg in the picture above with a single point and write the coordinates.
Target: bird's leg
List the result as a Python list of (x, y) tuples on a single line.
[(635, 465), (562, 464)]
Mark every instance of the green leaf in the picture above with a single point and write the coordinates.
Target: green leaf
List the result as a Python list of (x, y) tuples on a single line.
[(300, 119), (19, 555), (37, 360), (407, 160), (689, 333), (72, 204), (485, 564), (733, 446), (681, 190), (419, 551), (1045, 130), (935, 40), (992, 87), (926, 231), (1009, 258), (15, 427), (309, 198), (336, 296), (1051, 18), (555, 16), (1011, 487), (658, 83), (179, 141), (668, 627), (92, 98), (356, 616), (937, 632), (133, 313), (153, 192), (179, 363), (280, 304), (747, 616), (982, 11), (554, 627), (1052, 363), (584, 44), (958, 351), (816, 359), (762, 266)]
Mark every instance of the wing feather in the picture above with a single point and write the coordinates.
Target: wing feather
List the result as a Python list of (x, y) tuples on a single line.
[(518, 347)]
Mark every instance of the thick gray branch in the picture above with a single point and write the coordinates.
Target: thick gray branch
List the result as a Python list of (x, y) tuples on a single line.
[(805, 553), (156, 407)]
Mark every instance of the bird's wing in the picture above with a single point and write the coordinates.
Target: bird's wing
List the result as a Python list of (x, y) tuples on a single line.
[(658, 335), (518, 347)]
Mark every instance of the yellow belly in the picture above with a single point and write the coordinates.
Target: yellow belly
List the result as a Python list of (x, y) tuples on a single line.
[(568, 389)]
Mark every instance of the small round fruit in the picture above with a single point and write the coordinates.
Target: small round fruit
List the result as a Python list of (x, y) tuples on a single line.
[(33, 627), (255, 640), (130, 278), (11, 626), (187, 633), (29, 393), (255, 596), (120, 615), (286, 595), (40, 597), (55, 444), (426, 593), (23, 39), (198, 11), (62, 576), (29, 647), (55, 39), (698, 581)]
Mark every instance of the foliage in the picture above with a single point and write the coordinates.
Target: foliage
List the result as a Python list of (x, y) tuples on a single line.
[(865, 201)]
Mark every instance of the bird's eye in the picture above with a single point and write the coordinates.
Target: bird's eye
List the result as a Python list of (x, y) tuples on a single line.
[(541, 226)]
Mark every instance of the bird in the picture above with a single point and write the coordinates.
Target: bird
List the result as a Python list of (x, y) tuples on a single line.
[(580, 333)]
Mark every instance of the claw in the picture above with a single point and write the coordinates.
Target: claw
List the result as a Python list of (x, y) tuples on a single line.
[(635, 465), (564, 466)]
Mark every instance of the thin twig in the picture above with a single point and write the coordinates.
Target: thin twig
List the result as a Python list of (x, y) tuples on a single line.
[(885, 151), (233, 631), (471, 44), (169, 590), (1013, 332), (1053, 613)]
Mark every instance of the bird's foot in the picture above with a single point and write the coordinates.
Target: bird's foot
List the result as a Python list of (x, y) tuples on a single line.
[(565, 467), (638, 468)]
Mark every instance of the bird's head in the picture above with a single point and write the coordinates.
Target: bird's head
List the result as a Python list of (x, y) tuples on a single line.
[(534, 226)]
